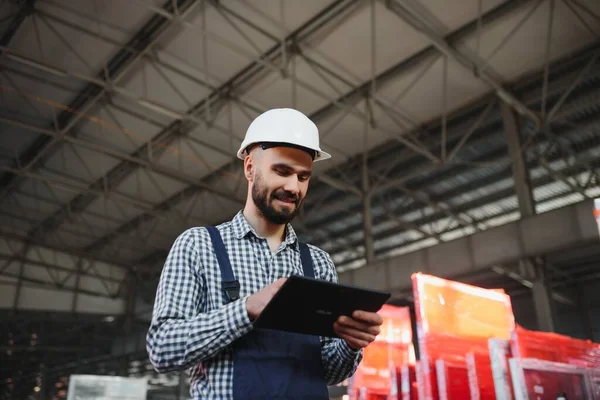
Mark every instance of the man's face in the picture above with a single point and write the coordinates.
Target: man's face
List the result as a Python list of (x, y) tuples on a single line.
[(280, 182)]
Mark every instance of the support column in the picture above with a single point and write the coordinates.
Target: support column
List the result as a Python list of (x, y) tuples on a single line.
[(130, 299), (367, 215), (368, 228), (519, 167), (366, 191), (541, 300)]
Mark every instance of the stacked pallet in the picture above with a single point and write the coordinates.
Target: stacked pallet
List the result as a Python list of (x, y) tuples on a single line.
[(470, 348)]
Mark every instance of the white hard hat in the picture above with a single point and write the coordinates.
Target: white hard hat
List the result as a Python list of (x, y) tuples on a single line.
[(283, 125)]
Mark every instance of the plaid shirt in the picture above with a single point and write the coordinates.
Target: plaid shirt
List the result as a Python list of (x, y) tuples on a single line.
[(192, 327)]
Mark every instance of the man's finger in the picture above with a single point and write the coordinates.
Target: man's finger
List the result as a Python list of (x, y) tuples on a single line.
[(355, 333), (352, 323), (353, 342), (368, 317), (279, 282)]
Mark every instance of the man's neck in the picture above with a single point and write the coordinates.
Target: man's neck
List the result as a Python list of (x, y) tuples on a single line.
[(274, 233)]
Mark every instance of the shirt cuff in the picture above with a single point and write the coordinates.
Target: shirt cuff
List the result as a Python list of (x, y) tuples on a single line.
[(239, 320), (348, 352)]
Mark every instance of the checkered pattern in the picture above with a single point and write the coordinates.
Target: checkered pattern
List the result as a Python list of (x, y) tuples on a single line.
[(192, 327)]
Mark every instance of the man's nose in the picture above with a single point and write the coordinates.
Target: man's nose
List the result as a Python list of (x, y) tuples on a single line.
[(292, 184)]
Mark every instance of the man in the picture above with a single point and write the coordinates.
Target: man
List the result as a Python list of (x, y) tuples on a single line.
[(217, 280)]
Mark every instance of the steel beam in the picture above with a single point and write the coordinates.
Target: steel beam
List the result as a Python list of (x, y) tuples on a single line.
[(537, 235), (500, 270), (398, 165), (241, 77), (88, 231), (116, 67), (488, 18), (416, 166), (25, 9), (408, 226), (69, 251), (339, 185), (55, 267), (112, 88), (35, 260), (417, 184), (67, 183), (153, 107), (442, 45), (227, 90), (519, 166), (138, 158), (250, 72), (416, 61), (493, 197)]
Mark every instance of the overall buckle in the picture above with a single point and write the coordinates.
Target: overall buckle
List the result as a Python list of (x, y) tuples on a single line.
[(231, 289)]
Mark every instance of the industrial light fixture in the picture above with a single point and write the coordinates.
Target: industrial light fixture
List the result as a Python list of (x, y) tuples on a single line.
[(36, 64)]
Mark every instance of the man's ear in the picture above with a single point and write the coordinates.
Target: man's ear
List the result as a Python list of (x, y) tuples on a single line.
[(249, 167)]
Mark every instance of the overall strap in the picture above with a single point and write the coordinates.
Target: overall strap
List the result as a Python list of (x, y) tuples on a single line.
[(307, 264), (229, 284)]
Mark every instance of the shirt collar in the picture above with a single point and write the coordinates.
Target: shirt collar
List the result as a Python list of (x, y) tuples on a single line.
[(240, 228)]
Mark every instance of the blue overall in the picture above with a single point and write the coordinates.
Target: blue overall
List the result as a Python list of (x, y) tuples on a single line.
[(270, 364)]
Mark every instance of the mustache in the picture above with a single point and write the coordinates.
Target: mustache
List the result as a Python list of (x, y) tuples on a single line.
[(285, 195)]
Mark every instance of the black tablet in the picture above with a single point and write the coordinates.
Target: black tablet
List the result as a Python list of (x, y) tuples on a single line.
[(311, 306)]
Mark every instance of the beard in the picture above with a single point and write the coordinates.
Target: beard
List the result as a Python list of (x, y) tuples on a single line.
[(264, 202)]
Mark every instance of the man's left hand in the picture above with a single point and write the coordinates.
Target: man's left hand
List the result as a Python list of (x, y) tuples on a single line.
[(359, 330)]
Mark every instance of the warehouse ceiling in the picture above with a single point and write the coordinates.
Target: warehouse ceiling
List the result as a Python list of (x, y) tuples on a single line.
[(119, 123)]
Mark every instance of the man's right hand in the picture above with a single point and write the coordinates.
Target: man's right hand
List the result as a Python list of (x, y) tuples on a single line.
[(257, 302)]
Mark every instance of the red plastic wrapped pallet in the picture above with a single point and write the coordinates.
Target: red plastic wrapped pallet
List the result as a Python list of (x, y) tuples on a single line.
[(453, 320), (408, 383), (426, 378), (554, 347), (392, 349), (452, 380), (549, 385), (481, 380)]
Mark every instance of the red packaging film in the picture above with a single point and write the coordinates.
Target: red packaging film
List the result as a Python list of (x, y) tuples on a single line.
[(389, 352), (481, 379), (453, 320), (408, 382), (555, 347)]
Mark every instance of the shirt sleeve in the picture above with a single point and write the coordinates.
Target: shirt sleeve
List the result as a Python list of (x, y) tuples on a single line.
[(181, 336), (340, 360)]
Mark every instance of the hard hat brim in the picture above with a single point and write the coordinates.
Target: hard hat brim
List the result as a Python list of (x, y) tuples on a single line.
[(320, 155)]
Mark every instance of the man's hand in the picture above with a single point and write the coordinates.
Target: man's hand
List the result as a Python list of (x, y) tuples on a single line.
[(257, 302), (359, 330)]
